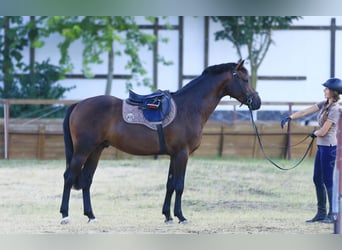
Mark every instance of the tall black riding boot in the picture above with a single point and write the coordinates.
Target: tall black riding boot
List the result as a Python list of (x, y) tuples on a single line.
[(321, 205), (330, 217)]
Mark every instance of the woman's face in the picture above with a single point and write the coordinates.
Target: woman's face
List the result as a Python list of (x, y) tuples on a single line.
[(327, 93)]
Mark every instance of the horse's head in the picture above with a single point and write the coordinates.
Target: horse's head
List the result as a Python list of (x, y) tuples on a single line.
[(240, 88)]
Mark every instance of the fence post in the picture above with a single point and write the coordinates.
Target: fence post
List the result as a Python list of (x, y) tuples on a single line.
[(41, 142), (288, 154), (337, 183), (6, 128), (221, 141)]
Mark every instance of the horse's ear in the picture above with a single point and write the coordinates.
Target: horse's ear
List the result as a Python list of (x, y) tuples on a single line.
[(240, 64)]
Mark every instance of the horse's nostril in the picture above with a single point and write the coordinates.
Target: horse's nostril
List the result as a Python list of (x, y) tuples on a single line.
[(253, 103)]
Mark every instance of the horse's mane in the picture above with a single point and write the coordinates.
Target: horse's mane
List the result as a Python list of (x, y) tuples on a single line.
[(212, 70), (219, 68)]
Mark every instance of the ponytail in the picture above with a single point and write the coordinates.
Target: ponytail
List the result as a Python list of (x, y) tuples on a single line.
[(336, 98)]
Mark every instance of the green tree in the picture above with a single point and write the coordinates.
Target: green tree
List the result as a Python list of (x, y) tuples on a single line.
[(23, 80), (99, 34), (42, 83), (13, 39), (251, 35)]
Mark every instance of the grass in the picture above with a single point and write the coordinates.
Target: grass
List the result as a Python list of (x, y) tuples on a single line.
[(234, 196)]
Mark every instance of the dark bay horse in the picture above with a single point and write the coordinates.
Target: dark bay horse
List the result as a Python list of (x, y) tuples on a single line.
[(95, 123)]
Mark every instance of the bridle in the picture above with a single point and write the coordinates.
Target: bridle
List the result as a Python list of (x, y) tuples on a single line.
[(248, 99), (269, 159)]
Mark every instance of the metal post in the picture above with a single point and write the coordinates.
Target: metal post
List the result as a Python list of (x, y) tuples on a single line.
[(337, 183), (332, 46)]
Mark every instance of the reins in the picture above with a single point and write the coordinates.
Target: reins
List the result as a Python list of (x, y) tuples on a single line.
[(269, 159)]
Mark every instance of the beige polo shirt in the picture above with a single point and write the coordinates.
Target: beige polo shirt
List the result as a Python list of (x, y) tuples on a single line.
[(330, 138)]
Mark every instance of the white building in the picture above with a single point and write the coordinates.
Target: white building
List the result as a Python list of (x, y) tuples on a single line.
[(303, 53)]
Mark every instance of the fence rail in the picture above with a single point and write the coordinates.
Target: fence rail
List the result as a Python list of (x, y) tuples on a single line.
[(218, 138)]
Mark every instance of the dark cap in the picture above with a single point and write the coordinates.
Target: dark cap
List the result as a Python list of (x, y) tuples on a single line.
[(334, 84)]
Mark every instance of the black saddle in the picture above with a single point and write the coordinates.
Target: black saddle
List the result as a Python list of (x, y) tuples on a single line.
[(155, 106)]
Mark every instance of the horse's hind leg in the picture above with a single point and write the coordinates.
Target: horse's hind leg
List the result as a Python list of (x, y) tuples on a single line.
[(87, 179), (70, 177), (65, 202)]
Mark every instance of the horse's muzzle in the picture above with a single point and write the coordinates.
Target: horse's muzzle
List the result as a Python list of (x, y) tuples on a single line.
[(253, 101)]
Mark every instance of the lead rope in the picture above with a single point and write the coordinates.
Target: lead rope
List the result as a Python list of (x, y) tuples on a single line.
[(270, 160)]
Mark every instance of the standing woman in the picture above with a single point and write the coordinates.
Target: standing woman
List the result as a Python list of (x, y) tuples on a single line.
[(328, 116)]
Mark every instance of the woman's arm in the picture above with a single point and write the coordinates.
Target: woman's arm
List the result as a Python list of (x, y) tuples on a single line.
[(324, 129), (310, 110)]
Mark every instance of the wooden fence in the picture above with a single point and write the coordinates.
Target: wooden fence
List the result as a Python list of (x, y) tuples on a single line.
[(239, 140), (43, 138)]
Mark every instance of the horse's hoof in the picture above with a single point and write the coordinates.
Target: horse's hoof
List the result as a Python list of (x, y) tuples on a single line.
[(65, 220), (183, 222), (92, 220)]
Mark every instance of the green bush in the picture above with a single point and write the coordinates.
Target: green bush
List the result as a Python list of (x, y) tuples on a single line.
[(41, 84)]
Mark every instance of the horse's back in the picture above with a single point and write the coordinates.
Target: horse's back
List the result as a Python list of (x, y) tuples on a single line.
[(100, 100), (97, 106), (95, 115)]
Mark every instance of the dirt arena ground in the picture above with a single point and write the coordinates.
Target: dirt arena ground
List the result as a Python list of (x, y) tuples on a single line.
[(221, 196)]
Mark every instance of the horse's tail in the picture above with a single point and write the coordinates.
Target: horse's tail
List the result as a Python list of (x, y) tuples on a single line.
[(69, 149)]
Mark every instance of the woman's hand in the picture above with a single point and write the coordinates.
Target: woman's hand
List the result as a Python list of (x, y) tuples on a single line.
[(285, 121)]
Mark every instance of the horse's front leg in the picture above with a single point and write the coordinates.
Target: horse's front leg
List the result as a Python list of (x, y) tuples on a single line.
[(178, 200), (181, 160), (170, 187)]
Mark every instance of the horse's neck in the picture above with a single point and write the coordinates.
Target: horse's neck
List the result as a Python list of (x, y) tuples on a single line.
[(203, 95)]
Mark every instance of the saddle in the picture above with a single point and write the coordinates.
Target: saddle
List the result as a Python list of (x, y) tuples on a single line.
[(155, 106), (155, 111)]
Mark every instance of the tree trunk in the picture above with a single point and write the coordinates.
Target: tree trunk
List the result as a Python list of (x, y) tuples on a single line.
[(32, 50), (254, 77), (110, 70)]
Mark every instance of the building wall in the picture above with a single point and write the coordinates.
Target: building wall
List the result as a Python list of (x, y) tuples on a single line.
[(294, 53)]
